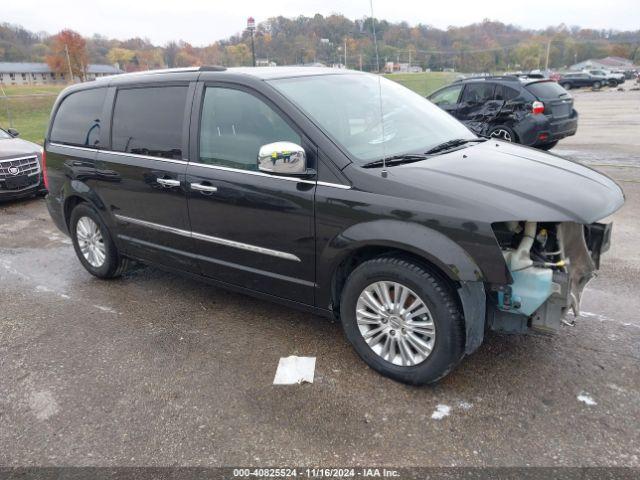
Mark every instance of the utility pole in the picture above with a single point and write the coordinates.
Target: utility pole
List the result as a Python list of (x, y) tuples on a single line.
[(360, 62), (345, 52), (409, 59), (546, 63), (251, 26), (66, 51)]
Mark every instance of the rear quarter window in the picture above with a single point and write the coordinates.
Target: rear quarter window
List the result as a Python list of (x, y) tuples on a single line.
[(506, 93), (546, 90), (149, 121), (77, 121)]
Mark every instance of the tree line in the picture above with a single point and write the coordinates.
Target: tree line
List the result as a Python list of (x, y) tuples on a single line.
[(334, 39)]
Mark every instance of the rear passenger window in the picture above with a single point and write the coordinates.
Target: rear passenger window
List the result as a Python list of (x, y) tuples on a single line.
[(77, 121), (234, 126), (149, 121), (477, 93), (505, 93)]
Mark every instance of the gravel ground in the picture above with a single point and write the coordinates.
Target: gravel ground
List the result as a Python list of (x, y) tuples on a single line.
[(155, 369)]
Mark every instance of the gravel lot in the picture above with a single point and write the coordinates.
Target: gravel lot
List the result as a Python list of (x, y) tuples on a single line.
[(155, 369)]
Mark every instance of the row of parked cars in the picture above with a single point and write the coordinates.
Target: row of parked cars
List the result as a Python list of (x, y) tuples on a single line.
[(591, 78)]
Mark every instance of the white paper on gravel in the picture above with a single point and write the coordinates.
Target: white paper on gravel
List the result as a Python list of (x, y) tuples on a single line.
[(295, 370)]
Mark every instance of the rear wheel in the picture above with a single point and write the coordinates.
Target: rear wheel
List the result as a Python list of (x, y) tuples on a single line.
[(93, 244), (503, 133), (597, 85), (402, 320), (566, 86), (613, 82)]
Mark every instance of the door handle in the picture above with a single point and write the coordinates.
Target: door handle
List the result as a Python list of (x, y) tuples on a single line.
[(203, 188), (168, 182)]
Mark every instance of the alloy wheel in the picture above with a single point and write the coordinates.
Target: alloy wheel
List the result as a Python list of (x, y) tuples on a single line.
[(395, 323), (91, 242), (502, 134)]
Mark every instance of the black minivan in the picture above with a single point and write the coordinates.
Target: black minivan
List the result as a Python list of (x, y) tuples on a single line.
[(337, 192)]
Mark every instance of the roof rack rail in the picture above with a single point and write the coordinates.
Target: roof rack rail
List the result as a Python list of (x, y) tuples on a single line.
[(212, 68), (509, 78), (204, 68)]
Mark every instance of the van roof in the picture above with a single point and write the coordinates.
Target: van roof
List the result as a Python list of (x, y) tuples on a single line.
[(208, 73), (264, 73)]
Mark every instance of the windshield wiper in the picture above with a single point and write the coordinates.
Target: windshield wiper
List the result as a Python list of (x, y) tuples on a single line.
[(456, 142), (396, 160)]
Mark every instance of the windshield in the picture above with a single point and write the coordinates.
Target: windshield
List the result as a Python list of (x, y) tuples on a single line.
[(4, 135), (347, 107)]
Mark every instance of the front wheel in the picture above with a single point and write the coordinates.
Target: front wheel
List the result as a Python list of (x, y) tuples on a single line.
[(597, 85), (566, 86), (402, 320), (93, 244)]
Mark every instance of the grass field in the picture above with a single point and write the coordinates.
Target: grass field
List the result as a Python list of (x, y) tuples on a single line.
[(423, 83), (27, 108)]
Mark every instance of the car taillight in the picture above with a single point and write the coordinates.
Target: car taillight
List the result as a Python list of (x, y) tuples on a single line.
[(43, 164), (537, 107)]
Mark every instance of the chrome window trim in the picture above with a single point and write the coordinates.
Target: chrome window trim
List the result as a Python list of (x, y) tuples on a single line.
[(209, 238), (251, 172), (123, 154), (335, 185), (205, 165), (74, 147), (146, 157)]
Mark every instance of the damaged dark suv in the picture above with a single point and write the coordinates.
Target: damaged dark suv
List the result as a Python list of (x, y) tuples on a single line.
[(337, 192), (529, 111)]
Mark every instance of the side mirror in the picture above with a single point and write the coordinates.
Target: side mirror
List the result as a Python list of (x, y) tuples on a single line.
[(13, 132), (283, 158)]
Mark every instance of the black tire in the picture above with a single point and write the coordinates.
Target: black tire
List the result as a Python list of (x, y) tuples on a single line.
[(597, 85), (613, 82), (566, 86), (500, 132), (435, 293), (114, 264), (548, 146)]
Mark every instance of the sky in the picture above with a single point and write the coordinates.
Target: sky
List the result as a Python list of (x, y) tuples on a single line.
[(201, 22)]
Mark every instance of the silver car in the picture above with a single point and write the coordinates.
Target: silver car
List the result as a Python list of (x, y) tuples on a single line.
[(21, 166)]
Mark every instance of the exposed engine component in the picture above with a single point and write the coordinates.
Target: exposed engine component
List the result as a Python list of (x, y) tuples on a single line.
[(550, 264)]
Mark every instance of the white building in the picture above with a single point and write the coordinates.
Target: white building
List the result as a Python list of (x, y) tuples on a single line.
[(14, 73), (607, 63), (265, 62)]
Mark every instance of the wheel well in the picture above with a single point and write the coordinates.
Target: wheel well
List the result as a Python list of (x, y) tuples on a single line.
[(69, 205), (367, 253)]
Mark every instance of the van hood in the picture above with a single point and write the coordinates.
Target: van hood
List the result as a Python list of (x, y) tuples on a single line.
[(498, 181), (16, 147)]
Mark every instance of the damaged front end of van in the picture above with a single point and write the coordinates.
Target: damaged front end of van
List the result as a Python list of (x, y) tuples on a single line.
[(549, 264)]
